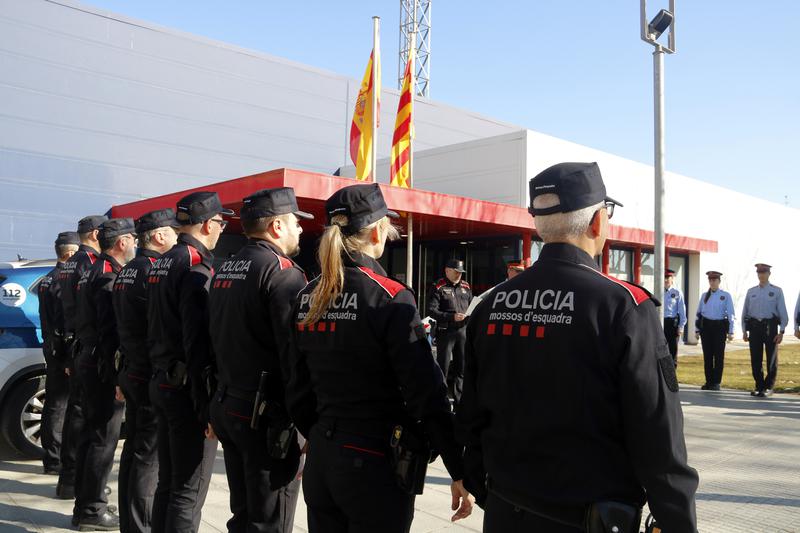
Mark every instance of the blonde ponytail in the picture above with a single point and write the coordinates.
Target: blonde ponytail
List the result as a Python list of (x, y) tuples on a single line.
[(332, 246)]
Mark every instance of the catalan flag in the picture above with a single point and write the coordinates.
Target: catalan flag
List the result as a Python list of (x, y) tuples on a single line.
[(400, 169), (361, 141)]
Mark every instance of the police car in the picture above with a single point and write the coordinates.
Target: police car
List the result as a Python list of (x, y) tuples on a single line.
[(22, 367)]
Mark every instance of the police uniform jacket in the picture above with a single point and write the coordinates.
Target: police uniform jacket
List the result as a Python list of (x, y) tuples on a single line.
[(367, 358), (96, 325), (718, 307), (130, 307), (177, 306), (765, 303), (674, 306), (570, 394), (51, 316), (250, 306), (446, 300), (68, 278)]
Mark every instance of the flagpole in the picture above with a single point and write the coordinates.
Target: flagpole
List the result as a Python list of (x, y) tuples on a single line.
[(413, 90), (376, 29)]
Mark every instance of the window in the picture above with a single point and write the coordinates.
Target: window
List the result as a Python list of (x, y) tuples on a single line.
[(620, 264), (647, 274)]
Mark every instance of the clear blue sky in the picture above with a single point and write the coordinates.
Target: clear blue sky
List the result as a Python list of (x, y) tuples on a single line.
[(574, 70)]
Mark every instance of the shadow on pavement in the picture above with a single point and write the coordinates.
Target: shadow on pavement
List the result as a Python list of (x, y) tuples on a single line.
[(741, 498), (740, 403), (26, 468), (39, 518), (31, 489), (436, 480)]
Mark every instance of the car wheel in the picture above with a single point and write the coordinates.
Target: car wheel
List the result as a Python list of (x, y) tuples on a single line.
[(22, 416)]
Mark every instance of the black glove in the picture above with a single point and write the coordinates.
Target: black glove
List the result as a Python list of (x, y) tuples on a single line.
[(202, 386), (475, 475), (283, 471)]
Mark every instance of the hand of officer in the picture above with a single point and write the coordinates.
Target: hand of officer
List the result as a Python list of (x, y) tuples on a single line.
[(66, 371), (745, 337), (679, 333), (210, 432), (730, 336), (459, 317), (118, 394), (797, 333), (697, 335), (778, 338), (461, 495)]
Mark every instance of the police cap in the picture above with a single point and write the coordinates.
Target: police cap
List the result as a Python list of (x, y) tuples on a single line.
[(577, 185), (90, 223), (68, 237), (362, 204), (455, 264), (271, 203), (198, 207), (156, 219), (116, 227), (713, 274), (763, 267), (668, 272)]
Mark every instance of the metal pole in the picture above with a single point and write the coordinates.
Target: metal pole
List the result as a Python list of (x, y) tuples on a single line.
[(658, 104), (376, 54), (412, 88)]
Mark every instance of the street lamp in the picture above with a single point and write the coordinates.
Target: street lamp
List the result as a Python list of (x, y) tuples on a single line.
[(651, 31)]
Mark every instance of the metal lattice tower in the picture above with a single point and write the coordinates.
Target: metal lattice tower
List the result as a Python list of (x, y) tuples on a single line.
[(416, 14)]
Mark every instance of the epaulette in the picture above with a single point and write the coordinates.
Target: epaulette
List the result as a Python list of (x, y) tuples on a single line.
[(637, 293), (92, 257), (465, 284), (392, 287), (194, 256), (441, 283), (283, 262), (107, 268)]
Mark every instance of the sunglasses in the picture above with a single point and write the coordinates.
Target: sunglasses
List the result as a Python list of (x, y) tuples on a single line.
[(222, 223)]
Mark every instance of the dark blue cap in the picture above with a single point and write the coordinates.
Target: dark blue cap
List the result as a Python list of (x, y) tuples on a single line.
[(455, 264), (116, 227), (68, 237), (271, 203), (156, 219), (577, 185), (362, 204), (198, 207), (90, 223)]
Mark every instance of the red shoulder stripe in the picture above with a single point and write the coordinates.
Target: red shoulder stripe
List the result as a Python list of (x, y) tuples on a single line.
[(194, 256), (152, 260), (283, 262), (465, 285), (92, 257), (441, 283), (391, 286), (107, 268), (637, 293)]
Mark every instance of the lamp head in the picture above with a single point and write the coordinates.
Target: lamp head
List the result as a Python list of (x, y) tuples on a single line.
[(660, 23)]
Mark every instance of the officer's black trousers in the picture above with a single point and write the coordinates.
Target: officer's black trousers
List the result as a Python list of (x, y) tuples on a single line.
[(98, 441), (713, 338), (138, 465), (256, 506), (185, 459), (72, 430), (54, 411), (450, 346), (349, 485), (762, 337), (671, 334), (501, 516)]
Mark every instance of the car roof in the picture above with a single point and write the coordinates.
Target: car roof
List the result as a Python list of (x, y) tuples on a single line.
[(28, 263)]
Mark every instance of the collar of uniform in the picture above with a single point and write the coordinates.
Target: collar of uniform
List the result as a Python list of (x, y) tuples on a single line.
[(185, 238), (59, 264), (358, 259), (147, 252), (114, 263), (567, 252), (266, 244), (87, 248)]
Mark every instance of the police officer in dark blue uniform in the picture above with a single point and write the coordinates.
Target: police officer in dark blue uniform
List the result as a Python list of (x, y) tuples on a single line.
[(68, 277), (51, 317), (544, 457), (96, 331), (182, 359), (448, 305), (364, 387), (138, 465), (764, 321), (250, 306)]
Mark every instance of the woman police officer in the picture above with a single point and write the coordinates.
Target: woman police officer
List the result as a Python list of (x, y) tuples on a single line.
[(362, 378)]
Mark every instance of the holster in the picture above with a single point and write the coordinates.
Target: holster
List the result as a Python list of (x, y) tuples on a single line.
[(177, 374), (410, 457), (279, 439), (613, 517)]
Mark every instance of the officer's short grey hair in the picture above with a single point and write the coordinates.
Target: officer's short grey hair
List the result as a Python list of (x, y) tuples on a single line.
[(64, 249), (559, 227)]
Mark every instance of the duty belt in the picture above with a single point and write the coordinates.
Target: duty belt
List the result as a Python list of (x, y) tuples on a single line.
[(233, 392), (377, 428)]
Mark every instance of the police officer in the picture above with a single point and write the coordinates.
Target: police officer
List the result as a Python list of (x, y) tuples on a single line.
[(361, 366), (180, 352), (513, 268), (448, 305), (714, 322), (797, 317), (138, 465), (567, 459), (250, 306), (674, 314), (51, 317), (68, 277), (96, 331), (764, 321)]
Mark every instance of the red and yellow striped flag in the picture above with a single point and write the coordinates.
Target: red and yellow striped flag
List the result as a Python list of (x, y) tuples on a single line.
[(361, 141), (400, 169)]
